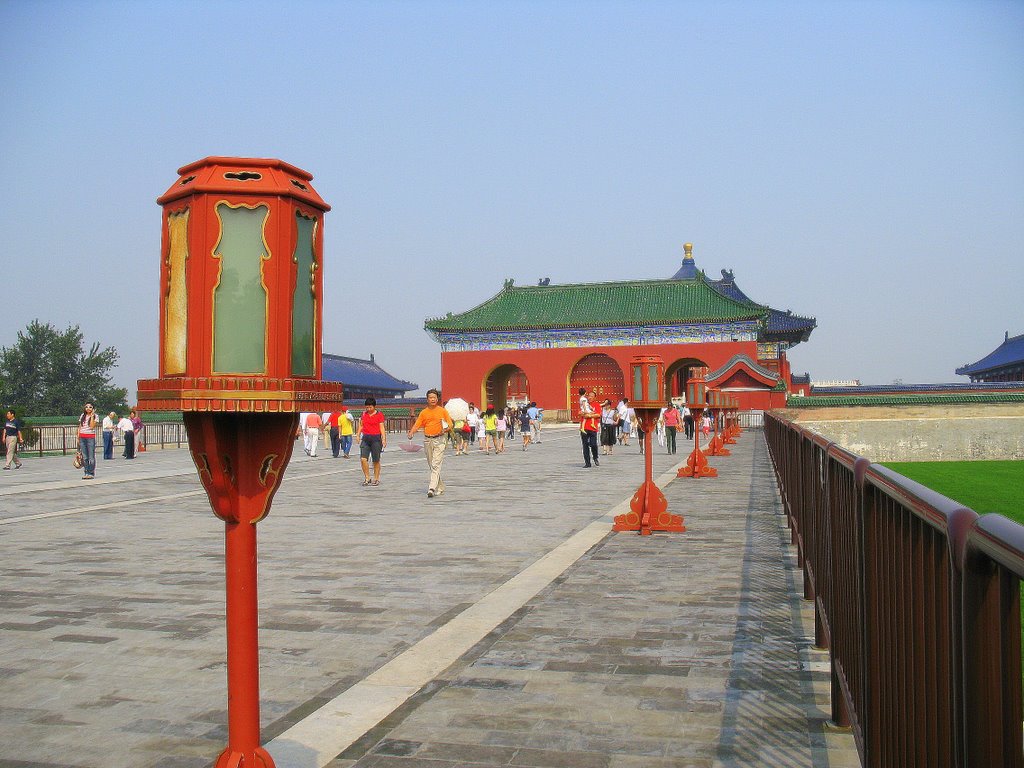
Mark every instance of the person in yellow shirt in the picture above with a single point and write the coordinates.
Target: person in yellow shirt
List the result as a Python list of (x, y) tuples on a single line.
[(435, 422), (346, 428)]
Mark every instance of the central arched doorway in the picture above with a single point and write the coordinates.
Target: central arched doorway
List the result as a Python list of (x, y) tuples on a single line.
[(596, 373), (677, 374), (506, 384)]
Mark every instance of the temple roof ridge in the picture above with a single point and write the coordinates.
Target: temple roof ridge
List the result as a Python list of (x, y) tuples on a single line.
[(599, 304), (1011, 351)]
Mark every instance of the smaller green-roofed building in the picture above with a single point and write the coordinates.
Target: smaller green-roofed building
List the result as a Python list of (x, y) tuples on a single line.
[(544, 342)]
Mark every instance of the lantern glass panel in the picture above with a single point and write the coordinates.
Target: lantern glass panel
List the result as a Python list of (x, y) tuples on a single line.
[(653, 380), (638, 383), (240, 298), (304, 298)]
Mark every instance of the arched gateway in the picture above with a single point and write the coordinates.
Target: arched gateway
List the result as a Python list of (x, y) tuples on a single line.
[(596, 373), (585, 334), (506, 384)]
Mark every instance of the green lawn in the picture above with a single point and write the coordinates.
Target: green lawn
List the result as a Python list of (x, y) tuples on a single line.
[(984, 486)]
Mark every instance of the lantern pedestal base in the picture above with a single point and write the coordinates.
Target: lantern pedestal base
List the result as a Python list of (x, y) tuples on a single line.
[(717, 447), (648, 507), (257, 758), (649, 513), (697, 466)]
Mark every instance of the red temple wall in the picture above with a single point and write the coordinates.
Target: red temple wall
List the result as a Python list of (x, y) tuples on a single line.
[(464, 374)]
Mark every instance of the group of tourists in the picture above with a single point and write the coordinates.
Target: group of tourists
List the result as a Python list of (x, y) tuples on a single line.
[(128, 427), (616, 424), (493, 427)]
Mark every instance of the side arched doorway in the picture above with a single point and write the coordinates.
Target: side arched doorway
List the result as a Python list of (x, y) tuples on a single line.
[(596, 373), (677, 374), (506, 384)]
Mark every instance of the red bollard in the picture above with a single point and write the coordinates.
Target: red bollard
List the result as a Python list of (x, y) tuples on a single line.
[(648, 507), (241, 287)]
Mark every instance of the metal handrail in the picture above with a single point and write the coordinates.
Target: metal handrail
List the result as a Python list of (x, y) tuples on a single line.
[(917, 599)]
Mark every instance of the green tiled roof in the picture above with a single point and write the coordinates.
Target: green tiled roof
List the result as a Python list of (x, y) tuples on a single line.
[(597, 305), (869, 400)]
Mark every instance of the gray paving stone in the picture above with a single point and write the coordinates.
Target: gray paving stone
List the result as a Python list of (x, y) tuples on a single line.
[(682, 649)]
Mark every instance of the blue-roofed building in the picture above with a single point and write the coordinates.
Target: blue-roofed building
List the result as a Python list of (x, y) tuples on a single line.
[(1004, 363), (364, 378)]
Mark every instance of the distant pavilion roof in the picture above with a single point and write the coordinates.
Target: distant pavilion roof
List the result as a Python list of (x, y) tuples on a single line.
[(1008, 354), (599, 305), (687, 297), (360, 375), (782, 325)]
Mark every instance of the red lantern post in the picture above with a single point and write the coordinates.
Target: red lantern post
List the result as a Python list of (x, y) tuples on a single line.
[(696, 397), (241, 287), (648, 507), (729, 433), (717, 404)]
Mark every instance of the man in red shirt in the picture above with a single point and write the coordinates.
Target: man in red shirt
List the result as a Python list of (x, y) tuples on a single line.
[(373, 438), (332, 426), (590, 423)]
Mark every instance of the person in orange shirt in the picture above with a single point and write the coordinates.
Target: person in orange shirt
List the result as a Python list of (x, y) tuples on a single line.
[(590, 423), (436, 423)]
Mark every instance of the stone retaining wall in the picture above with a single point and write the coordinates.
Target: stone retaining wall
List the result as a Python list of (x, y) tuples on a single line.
[(921, 432)]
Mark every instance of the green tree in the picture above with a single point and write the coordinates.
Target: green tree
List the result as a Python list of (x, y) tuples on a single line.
[(49, 373)]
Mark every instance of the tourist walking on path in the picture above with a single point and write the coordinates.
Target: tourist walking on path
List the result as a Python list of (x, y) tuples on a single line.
[(590, 422), (334, 432), (127, 430), (109, 425), (373, 438), (628, 420), (347, 429), (12, 436), (687, 423), (140, 429), (671, 419), (609, 421), (534, 412), (502, 427), (473, 420), (311, 433), (87, 441), (436, 423), (524, 426), (490, 430)]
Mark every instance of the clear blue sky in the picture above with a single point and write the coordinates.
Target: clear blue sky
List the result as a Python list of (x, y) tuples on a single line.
[(860, 162)]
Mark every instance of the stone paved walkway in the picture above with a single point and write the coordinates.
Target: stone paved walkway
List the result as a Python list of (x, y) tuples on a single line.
[(594, 649)]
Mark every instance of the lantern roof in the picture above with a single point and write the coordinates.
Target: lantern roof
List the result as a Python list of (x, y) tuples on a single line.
[(242, 176)]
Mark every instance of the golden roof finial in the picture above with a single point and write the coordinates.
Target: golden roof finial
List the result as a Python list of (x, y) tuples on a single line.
[(688, 250)]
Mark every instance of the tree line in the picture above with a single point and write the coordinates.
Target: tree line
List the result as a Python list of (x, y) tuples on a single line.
[(48, 372)]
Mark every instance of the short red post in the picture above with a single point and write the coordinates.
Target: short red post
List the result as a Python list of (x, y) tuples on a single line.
[(696, 396), (648, 507), (241, 288), (717, 445)]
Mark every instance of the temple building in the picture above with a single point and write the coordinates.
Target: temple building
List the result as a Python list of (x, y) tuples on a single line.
[(364, 378), (1004, 363), (544, 342)]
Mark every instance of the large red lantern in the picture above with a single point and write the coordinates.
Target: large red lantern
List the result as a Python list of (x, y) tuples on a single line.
[(241, 287)]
